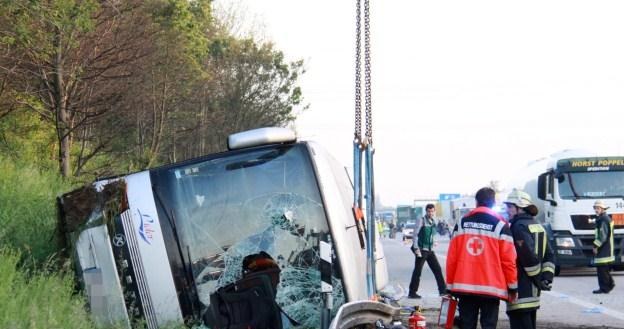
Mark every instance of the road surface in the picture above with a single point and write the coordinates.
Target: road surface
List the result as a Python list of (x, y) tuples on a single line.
[(570, 304)]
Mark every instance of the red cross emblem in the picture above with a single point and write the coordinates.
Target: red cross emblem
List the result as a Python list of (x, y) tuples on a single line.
[(475, 246)]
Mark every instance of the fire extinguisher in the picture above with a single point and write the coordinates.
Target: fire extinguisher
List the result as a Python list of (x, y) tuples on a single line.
[(417, 320)]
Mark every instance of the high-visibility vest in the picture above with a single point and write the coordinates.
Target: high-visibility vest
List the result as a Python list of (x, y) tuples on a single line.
[(604, 240), (535, 261)]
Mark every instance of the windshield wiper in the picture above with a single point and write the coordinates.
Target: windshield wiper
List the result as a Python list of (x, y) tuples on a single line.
[(576, 195), (260, 160), (187, 265), (615, 196)]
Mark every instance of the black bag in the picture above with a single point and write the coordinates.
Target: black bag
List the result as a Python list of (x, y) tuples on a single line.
[(247, 304)]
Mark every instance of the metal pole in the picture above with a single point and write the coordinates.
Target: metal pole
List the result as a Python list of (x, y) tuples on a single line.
[(370, 211), (325, 264)]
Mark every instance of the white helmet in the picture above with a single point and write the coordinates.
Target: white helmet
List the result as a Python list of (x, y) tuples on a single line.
[(601, 204), (522, 200)]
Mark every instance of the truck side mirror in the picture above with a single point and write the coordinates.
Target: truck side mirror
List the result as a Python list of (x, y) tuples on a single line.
[(543, 182), (542, 185)]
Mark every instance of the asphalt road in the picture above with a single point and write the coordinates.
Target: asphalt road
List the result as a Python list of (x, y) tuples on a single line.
[(570, 304)]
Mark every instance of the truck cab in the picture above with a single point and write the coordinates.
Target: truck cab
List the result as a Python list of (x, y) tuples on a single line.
[(156, 246), (568, 190)]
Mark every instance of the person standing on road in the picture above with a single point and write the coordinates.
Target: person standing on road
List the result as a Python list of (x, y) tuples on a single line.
[(481, 263), (535, 260), (422, 247), (603, 248), (380, 228)]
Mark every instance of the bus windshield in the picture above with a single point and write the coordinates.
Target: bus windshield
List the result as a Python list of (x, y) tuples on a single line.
[(261, 200), (588, 185)]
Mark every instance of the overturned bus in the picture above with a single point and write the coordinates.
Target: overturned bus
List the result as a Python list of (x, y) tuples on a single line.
[(167, 245)]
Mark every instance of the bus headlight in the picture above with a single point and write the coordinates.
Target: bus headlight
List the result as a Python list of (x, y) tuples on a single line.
[(565, 242)]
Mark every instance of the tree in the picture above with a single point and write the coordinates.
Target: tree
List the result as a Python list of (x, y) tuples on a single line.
[(65, 58), (251, 86), (127, 85), (202, 87)]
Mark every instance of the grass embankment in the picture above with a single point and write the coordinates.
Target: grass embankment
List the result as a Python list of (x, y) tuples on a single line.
[(36, 299), (33, 292)]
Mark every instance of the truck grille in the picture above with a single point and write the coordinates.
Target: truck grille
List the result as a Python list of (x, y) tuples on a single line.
[(588, 222), (583, 222), (587, 243)]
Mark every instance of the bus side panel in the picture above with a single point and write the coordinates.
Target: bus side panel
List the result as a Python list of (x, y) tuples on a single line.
[(101, 282), (338, 194), (162, 298)]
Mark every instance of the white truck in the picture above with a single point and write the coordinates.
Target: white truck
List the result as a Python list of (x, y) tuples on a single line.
[(565, 186), (459, 208), (154, 247)]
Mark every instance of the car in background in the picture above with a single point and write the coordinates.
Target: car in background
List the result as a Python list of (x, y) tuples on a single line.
[(408, 230)]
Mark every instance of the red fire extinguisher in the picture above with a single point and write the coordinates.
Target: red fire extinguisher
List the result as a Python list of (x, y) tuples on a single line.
[(417, 320)]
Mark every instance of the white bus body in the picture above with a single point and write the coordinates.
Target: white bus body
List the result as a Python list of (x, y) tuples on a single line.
[(154, 245)]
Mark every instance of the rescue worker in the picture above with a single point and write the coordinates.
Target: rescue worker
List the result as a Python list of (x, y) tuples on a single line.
[(603, 248), (422, 247), (534, 260), (481, 263)]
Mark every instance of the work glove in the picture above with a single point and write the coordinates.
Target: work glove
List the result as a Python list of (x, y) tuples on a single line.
[(545, 285)]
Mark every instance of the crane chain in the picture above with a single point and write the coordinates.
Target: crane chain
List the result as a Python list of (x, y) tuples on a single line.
[(358, 77), (367, 74)]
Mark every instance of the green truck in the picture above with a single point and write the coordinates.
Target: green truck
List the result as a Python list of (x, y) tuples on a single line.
[(406, 213)]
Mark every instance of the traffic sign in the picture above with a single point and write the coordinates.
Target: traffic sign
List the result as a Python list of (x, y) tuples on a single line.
[(449, 196)]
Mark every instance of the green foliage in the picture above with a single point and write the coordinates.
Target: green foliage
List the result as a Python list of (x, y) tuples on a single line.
[(140, 83), (25, 137), (38, 300), (28, 211), (257, 81), (184, 24), (39, 24)]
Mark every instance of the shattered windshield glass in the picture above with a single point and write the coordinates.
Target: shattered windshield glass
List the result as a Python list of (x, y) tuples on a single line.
[(264, 200), (601, 184)]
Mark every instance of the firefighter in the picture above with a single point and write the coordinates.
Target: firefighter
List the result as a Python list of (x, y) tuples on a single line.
[(534, 260), (603, 248), (481, 263)]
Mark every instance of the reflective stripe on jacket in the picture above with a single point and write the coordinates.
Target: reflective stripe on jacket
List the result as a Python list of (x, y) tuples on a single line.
[(534, 262), (604, 240), (481, 258)]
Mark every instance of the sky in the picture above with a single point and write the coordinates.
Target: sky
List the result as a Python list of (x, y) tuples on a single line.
[(463, 92)]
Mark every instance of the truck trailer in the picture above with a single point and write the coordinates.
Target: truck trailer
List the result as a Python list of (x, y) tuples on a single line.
[(171, 245)]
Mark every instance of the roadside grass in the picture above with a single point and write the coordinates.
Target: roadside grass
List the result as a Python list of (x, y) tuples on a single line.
[(28, 210), (32, 293), (35, 299)]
